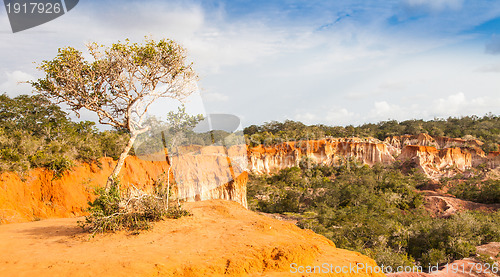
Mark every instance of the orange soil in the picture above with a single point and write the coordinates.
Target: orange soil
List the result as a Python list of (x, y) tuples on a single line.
[(221, 238), (38, 195)]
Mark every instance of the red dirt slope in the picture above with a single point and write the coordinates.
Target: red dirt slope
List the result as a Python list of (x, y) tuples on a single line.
[(38, 195), (221, 238)]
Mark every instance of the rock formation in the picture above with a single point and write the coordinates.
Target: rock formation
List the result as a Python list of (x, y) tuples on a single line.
[(39, 194), (326, 151), (437, 162), (215, 172), (426, 140), (434, 156)]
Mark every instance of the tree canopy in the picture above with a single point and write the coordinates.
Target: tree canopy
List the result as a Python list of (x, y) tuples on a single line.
[(120, 83), (37, 133)]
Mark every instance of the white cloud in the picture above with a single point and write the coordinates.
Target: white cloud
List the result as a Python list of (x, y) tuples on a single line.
[(214, 97), (393, 85), (493, 46), (306, 118), (340, 117), (457, 104), (14, 83), (383, 111), (435, 5), (333, 116), (489, 68), (450, 105), (367, 70)]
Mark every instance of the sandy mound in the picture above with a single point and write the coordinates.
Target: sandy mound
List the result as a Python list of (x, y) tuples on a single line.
[(221, 238)]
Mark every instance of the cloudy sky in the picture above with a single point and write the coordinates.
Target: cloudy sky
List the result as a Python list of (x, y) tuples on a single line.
[(333, 62)]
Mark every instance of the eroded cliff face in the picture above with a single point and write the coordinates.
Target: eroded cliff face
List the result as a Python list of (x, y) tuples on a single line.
[(326, 151), (38, 194), (214, 172), (397, 143), (437, 163), (440, 156), (436, 157), (400, 142), (492, 160)]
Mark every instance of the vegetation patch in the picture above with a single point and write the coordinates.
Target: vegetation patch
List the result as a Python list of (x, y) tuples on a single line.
[(475, 188), (132, 210), (35, 132), (376, 211)]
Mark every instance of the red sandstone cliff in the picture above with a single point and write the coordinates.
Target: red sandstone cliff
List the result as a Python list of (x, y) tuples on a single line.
[(37, 194), (493, 159), (441, 156), (326, 151), (437, 162), (434, 156), (427, 140), (203, 173)]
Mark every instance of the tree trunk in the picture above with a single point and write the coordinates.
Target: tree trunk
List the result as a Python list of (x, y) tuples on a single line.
[(121, 160)]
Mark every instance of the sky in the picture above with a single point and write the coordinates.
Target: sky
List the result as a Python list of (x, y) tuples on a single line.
[(330, 62)]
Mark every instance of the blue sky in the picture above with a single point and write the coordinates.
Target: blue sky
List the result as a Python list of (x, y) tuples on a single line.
[(331, 62)]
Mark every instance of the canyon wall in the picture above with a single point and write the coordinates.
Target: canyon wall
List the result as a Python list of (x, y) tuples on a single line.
[(427, 140), (436, 157), (436, 163), (38, 194), (215, 172), (326, 152)]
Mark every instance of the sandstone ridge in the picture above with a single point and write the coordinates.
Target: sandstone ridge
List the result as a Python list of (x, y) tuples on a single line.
[(326, 151), (436, 157), (216, 173)]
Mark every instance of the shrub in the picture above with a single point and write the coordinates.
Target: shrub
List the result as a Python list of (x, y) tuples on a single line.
[(433, 257), (112, 211)]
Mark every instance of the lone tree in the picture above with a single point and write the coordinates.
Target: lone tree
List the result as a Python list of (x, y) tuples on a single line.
[(120, 84)]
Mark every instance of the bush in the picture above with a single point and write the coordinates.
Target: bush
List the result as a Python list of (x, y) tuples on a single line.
[(434, 257), (475, 189), (111, 211)]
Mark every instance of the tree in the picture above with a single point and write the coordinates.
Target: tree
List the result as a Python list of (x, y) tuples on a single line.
[(34, 114), (120, 84)]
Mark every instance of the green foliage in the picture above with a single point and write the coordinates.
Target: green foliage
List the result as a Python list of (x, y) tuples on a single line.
[(486, 129), (376, 211), (112, 211), (37, 133), (434, 256), (99, 85), (475, 188)]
